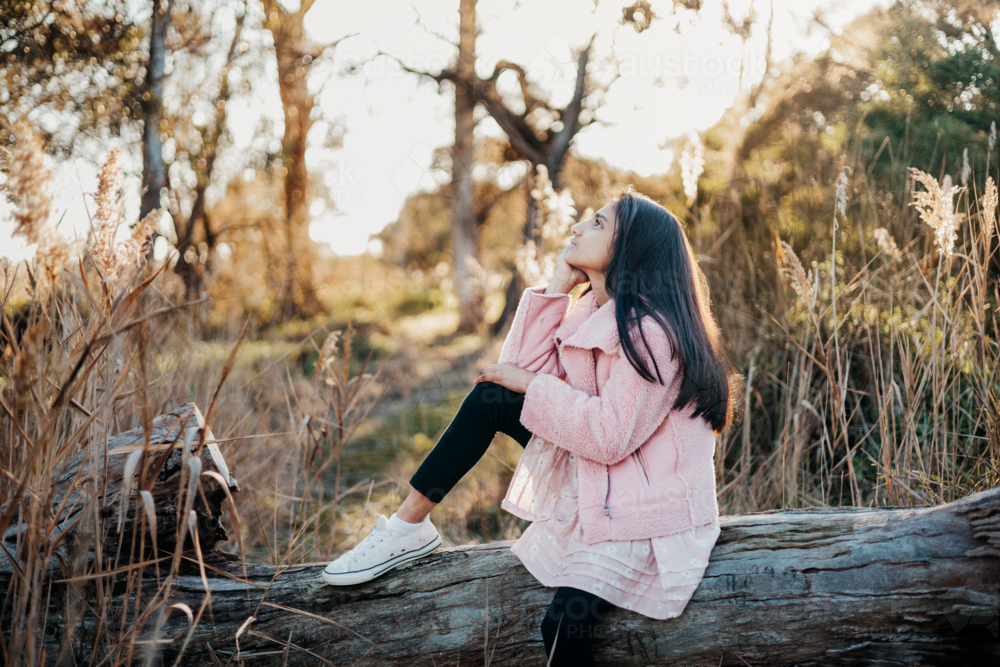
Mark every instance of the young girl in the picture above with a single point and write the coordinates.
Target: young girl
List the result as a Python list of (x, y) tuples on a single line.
[(617, 401)]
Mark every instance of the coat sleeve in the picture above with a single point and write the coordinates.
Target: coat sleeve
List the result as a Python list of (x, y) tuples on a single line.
[(608, 427), (530, 344)]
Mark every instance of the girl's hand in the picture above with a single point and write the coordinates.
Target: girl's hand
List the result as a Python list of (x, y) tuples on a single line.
[(507, 375), (568, 273)]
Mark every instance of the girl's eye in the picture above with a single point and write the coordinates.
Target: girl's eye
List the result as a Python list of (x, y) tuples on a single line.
[(598, 222)]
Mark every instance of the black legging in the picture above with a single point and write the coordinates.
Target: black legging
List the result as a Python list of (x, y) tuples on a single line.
[(569, 623), (489, 408)]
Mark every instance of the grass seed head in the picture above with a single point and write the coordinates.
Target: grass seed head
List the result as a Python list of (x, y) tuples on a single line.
[(936, 208), (887, 243), (800, 280), (989, 208), (28, 185)]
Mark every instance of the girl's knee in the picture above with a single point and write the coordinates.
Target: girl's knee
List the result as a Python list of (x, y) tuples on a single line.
[(550, 627), (492, 399), (488, 392)]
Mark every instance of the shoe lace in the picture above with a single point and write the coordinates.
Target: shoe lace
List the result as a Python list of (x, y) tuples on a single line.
[(374, 539)]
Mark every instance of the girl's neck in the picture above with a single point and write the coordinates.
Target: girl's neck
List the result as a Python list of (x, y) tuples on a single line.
[(597, 287)]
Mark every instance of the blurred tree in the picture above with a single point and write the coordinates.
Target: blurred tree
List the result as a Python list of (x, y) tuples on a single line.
[(913, 84), (745, 100), (80, 59), (249, 269), (933, 90), (536, 130), (775, 175), (198, 147), (421, 236), (104, 65), (295, 57)]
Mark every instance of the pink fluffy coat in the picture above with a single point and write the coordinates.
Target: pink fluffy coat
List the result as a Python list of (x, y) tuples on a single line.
[(643, 469)]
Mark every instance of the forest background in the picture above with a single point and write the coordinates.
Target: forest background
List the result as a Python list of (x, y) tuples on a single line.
[(843, 210)]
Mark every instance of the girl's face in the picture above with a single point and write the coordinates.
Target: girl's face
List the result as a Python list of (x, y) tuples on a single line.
[(590, 248)]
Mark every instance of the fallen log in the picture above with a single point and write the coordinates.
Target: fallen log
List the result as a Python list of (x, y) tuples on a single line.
[(110, 472), (836, 586), (843, 586)]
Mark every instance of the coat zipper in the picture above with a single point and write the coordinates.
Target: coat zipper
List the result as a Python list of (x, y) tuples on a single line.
[(607, 510), (642, 464), (607, 470)]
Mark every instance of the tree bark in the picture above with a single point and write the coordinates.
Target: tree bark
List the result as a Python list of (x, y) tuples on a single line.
[(840, 586), (154, 176), (86, 478)]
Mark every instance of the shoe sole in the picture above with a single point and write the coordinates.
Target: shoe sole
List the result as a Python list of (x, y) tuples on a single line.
[(361, 576)]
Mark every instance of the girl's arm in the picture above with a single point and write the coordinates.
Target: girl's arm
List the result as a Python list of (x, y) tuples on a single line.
[(530, 344), (608, 427)]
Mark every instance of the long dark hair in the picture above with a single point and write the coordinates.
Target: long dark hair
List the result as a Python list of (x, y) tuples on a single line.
[(653, 271)]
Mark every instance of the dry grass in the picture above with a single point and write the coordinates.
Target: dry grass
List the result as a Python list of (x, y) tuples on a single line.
[(99, 350), (882, 382)]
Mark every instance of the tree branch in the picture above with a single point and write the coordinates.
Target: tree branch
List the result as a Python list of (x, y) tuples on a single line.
[(571, 115)]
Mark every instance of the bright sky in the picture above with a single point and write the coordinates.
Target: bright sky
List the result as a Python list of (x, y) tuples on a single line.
[(669, 83)]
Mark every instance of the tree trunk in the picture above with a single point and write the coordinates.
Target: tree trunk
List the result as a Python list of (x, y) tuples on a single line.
[(464, 231), (154, 176), (840, 586), (294, 61), (516, 286)]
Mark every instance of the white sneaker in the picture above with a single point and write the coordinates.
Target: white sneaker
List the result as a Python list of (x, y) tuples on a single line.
[(381, 551)]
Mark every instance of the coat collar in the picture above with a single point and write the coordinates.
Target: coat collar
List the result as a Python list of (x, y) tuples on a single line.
[(589, 325)]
